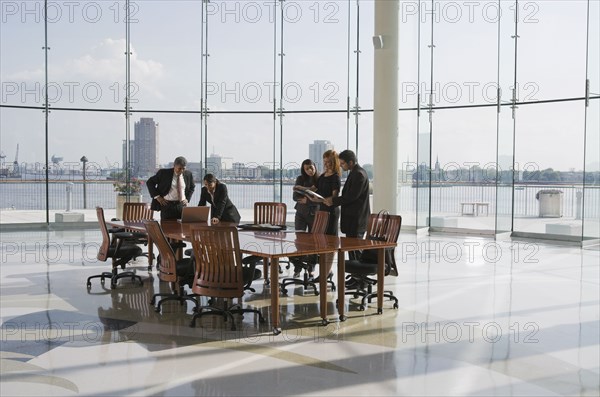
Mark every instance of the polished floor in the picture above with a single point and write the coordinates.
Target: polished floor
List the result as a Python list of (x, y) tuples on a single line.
[(476, 317)]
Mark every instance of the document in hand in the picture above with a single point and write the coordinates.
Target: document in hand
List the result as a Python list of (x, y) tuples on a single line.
[(307, 192)]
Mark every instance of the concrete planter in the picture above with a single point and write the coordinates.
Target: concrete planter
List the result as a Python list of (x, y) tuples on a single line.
[(121, 199)]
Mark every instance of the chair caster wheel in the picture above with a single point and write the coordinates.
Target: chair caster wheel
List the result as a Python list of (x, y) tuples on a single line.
[(379, 311), (343, 318), (361, 308), (395, 305), (324, 322), (276, 331)]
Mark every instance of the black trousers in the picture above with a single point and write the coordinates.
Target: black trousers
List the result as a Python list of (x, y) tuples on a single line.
[(172, 210)]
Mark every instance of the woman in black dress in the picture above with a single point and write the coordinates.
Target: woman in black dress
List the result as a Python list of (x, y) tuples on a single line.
[(328, 186)]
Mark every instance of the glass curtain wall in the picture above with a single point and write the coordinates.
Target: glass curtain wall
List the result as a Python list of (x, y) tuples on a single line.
[(493, 99)]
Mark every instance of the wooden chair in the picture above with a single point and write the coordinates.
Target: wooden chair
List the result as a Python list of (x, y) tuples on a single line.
[(359, 281), (219, 270), (119, 250), (307, 262), (138, 212), (271, 213), (177, 272)]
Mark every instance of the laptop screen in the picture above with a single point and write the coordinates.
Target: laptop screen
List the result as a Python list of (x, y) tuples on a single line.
[(195, 214)]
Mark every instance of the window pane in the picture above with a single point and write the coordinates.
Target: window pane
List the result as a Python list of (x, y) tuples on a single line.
[(165, 59), (463, 174), (315, 65), (551, 33), (549, 152)]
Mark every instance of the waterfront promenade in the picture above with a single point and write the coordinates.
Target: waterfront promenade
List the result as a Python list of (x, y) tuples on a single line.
[(25, 219)]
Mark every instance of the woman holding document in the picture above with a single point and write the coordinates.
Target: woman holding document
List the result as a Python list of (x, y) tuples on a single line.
[(305, 184), (328, 186)]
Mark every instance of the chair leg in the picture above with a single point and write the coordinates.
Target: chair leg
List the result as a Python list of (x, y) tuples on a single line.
[(102, 277), (386, 294), (117, 276)]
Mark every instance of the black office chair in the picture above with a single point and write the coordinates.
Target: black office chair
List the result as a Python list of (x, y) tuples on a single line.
[(360, 271), (120, 252), (308, 262)]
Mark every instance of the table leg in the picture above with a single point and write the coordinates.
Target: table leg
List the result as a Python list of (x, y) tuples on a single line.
[(150, 254), (341, 284), (380, 278), (275, 295), (325, 261)]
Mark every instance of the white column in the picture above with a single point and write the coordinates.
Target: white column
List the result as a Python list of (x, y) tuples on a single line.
[(385, 115)]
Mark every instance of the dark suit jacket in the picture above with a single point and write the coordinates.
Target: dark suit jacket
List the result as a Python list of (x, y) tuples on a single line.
[(222, 208), (160, 184), (354, 202)]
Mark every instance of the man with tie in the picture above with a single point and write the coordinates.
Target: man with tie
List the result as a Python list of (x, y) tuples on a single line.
[(171, 189)]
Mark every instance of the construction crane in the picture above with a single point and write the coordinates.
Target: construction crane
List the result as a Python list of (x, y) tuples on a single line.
[(15, 171)]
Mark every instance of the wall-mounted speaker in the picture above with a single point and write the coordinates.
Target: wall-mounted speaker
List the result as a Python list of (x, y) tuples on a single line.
[(378, 42)]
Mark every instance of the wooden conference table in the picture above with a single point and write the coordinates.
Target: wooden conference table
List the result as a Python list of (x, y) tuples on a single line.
[(273, 245)]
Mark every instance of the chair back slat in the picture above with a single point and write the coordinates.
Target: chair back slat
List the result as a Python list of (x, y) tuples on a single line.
[(320, 222), (218, 261), (167, 270), (104, 247), (137, 212), (270, 212), (386, 228)]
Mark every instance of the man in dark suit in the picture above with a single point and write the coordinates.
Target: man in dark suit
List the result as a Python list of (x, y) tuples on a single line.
[(354, 200), (171, 189)]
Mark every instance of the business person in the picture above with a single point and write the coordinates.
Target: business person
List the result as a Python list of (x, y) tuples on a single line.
[(305, 209), (171, 189), (215, 193), (354, 200), (328, 186)]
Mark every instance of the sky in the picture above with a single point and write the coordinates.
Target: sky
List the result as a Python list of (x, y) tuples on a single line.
[(87, 70)]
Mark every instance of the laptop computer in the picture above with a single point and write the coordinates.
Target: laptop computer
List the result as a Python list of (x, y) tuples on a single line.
[(195, 214)]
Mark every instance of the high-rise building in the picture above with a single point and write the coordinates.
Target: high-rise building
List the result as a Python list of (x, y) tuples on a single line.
[(316, 150), (145, 148)]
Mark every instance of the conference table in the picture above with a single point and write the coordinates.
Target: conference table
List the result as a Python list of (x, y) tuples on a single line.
[(273, 245)]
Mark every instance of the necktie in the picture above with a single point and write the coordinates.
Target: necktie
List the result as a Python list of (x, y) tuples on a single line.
[(180, 194)]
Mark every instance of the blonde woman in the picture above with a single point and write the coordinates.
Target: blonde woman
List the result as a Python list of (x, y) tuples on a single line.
[(328, 186)]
